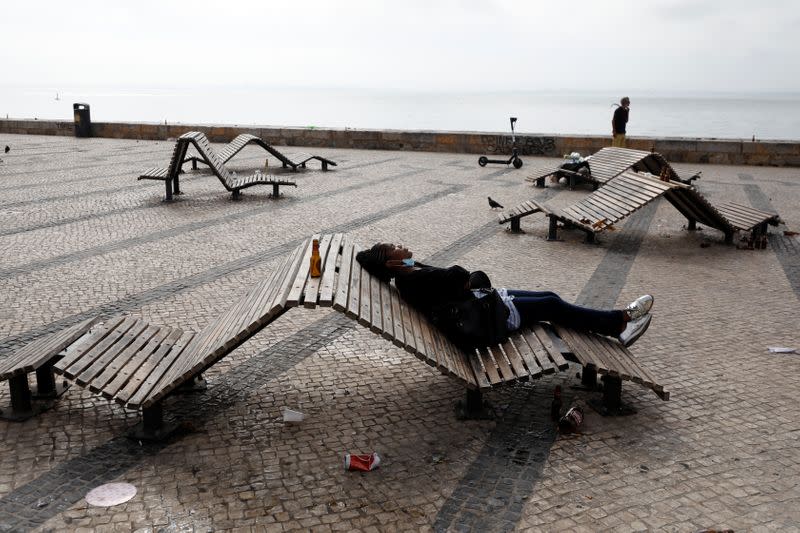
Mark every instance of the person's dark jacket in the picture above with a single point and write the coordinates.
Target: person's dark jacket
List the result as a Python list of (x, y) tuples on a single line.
[(429, 286)]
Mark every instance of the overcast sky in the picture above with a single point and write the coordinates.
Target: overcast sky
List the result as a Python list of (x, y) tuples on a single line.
[(634, 45)]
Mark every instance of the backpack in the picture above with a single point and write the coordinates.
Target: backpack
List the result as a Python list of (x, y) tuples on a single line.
[(473, 322)]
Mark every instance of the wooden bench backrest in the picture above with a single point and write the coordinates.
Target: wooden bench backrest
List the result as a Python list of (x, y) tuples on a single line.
[(201, 144), (260, 306)]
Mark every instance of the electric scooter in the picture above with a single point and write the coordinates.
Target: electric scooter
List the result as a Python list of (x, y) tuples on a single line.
[(513, 160)]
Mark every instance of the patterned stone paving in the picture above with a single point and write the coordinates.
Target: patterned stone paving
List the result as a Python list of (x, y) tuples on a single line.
[(79, 236)]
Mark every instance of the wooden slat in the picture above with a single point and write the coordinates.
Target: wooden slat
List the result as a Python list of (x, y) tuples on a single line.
[(388, 315), (539, 351), (329, 277), (489, 366), (430, 351), (397, 315), (365, 312), (376, 320), (479, 372), (302, 276), (502, 364), (409, 334), (521, 345), (354, 298), (555, 354), (515, 359), (118, 348), (343, 283), (285, 284)]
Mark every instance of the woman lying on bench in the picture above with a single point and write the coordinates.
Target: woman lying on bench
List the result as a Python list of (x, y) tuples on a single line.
[(431, 289)]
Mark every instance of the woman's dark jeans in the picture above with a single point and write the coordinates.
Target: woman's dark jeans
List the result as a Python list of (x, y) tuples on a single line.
[(536, 306)]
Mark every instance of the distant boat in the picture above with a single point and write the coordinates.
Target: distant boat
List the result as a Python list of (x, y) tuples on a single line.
[(57, 97)]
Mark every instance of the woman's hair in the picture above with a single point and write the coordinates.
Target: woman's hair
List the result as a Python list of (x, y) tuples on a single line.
[(373, 260)]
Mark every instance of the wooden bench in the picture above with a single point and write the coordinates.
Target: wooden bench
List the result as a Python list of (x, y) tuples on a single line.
[(629, 192), (138, 364), (38, 356), (292, 160), (608, 163), (232, 183)]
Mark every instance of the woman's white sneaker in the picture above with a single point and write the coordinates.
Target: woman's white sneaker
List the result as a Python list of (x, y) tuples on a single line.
[(635, 329), (640, 306)]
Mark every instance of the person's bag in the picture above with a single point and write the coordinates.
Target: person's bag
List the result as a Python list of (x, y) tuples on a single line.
[(475, 321)]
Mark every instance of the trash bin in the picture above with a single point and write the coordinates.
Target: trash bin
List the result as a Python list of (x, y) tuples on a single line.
[(83, 122)]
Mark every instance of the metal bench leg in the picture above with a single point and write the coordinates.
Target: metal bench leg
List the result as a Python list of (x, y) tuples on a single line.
[(515, 225), (168, 185), (46, 386), (324, 166), (21, 407), (552, 231), (176, 186), (728, 237), (152, 426), (611, 403), (194, 163), (474, 408), (540, 183), (589, 377), (275, 190), (692, 226), (590, 237), (235, 194)]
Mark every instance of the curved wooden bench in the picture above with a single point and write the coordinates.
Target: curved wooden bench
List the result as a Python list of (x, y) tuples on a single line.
[(138, 364)]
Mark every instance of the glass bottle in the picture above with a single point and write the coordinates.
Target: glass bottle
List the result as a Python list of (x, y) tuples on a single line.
[(315, 268)]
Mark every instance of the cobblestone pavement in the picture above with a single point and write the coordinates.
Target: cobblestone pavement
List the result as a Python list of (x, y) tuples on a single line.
[(79, 236)]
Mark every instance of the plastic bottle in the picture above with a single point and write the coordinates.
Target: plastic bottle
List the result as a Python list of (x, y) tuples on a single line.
[(315, 267)]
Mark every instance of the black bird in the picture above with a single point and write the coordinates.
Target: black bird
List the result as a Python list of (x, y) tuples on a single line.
[(8, 148), (493, 204)]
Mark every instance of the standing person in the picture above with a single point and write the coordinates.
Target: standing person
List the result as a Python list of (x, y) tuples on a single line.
[(619, 122), (427, 287)]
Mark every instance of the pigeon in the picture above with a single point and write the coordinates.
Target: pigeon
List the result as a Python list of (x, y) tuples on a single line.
[(493, 204), (8, 148)]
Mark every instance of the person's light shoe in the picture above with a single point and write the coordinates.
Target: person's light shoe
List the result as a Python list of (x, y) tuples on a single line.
[(635, 329), (640, 306)]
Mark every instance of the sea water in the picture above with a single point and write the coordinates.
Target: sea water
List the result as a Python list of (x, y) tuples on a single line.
[(709, 115)]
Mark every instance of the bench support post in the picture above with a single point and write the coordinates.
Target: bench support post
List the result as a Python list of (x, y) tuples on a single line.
[(611, 403), (540, 183), (590, 237), (515, 225), (324, 165), (152, 426), (474, 408), (21, 407), (168, 186), (589, 377), (692, 226), (236, 194), (176, 186), (46, 386), (552, 231), (728, 237), (275, 190)]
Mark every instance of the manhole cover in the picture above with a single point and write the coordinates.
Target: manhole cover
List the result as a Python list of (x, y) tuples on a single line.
[(110, 494)]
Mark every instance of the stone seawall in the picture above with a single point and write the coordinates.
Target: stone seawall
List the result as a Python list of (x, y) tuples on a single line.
[(680, 149)]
